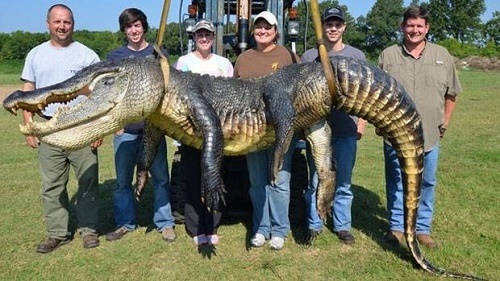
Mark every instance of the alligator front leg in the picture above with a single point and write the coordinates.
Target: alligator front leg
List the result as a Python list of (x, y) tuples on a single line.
[(206, 121), (279, 107)]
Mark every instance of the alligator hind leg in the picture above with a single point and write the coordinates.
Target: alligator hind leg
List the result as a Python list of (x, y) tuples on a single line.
[(147, 154), (319, 136)]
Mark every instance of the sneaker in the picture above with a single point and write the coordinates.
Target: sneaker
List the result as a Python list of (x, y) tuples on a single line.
[(258, 240), (213, 239), (427, 241), (168, 234), (200, 240), (277, 243), (117, 234), (51, 244), (394, 238), (311, 235), (345, 236)]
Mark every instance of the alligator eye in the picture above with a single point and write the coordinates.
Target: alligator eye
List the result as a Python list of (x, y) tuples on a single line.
[(109, 81)]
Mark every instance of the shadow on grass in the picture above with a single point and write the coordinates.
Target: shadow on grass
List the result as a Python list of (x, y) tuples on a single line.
[(369, 217), (144, 208)]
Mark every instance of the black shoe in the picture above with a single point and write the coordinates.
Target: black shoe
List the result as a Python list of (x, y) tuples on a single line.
[(51, 244), (311, 235), (117, 234), (345, 236), (90, 241)]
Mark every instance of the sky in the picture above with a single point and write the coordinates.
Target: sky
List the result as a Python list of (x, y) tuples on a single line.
[(99, 15)]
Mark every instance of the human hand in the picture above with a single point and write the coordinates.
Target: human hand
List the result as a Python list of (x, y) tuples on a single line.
[(96, 144), (32, 141)]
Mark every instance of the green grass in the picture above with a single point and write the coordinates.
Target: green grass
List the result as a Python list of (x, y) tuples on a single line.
[(10, 72), (466, 222)]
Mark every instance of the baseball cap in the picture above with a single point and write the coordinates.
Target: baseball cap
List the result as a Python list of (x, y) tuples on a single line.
[(204, 24), (333, 12), (268, 16)]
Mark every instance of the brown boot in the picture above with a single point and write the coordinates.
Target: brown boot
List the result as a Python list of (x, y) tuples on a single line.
[(51, 244), (427, 241), (394, 238), (90, 241)]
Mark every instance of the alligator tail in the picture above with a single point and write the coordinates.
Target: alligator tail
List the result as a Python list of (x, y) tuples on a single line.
[(367, 92)]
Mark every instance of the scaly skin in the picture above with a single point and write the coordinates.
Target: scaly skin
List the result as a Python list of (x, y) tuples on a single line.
[(236, 116)]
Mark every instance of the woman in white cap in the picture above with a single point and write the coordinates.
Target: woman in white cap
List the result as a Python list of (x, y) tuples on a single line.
[(201, 224), (270, 202)]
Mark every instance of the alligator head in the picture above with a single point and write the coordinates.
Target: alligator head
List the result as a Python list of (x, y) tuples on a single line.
[(109, 87)]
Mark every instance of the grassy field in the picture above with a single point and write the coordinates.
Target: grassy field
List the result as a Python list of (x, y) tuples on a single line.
[(466, 222)]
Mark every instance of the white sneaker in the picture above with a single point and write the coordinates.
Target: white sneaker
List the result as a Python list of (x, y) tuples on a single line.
[(213, 239), (258, 240), (200, 240), (277, 243)]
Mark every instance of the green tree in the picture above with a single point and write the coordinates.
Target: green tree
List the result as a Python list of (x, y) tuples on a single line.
[(20, 43), (492, 28), (174, 35), (458, 19), (102, 42), (383, 25)]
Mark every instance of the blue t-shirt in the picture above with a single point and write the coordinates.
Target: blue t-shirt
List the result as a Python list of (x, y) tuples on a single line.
[(125, 52)]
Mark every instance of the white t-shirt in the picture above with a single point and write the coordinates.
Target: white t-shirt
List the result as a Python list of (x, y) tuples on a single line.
[(216, 65), (46, 65)]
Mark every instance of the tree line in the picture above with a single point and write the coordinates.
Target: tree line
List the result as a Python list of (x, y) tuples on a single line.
[(455, 24)]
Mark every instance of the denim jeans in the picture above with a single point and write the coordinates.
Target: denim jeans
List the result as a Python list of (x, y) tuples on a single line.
[(270, 202), (394, 190), (345, 154), (126, 147)]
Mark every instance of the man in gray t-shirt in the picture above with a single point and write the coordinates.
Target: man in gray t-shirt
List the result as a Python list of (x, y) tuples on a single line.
[(346, 131), (49, 63)]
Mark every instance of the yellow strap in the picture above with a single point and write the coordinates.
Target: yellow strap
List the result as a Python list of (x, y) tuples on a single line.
[(163, 64), (323, 53)]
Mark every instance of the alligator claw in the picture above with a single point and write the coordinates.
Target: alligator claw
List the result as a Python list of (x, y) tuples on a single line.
[(142, 178)]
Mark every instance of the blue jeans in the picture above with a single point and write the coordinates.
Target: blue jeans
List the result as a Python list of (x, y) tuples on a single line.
[(126, 147), (394, 190), (270, 202), (345, 154)]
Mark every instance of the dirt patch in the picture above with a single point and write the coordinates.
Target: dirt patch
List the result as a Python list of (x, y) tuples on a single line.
[(482, 63)]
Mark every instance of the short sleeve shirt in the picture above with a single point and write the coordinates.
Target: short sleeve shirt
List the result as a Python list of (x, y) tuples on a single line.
[(342, 124), (253, 63), (427, 80), (216, 65), (46, 65)]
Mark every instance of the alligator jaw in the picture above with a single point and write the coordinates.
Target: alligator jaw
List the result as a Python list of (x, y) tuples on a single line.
[(103, 92)]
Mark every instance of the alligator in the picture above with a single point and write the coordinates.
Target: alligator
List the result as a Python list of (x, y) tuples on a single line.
[(236, 116)]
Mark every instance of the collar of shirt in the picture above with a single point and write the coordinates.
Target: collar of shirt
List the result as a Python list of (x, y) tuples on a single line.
[(408, 52)]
